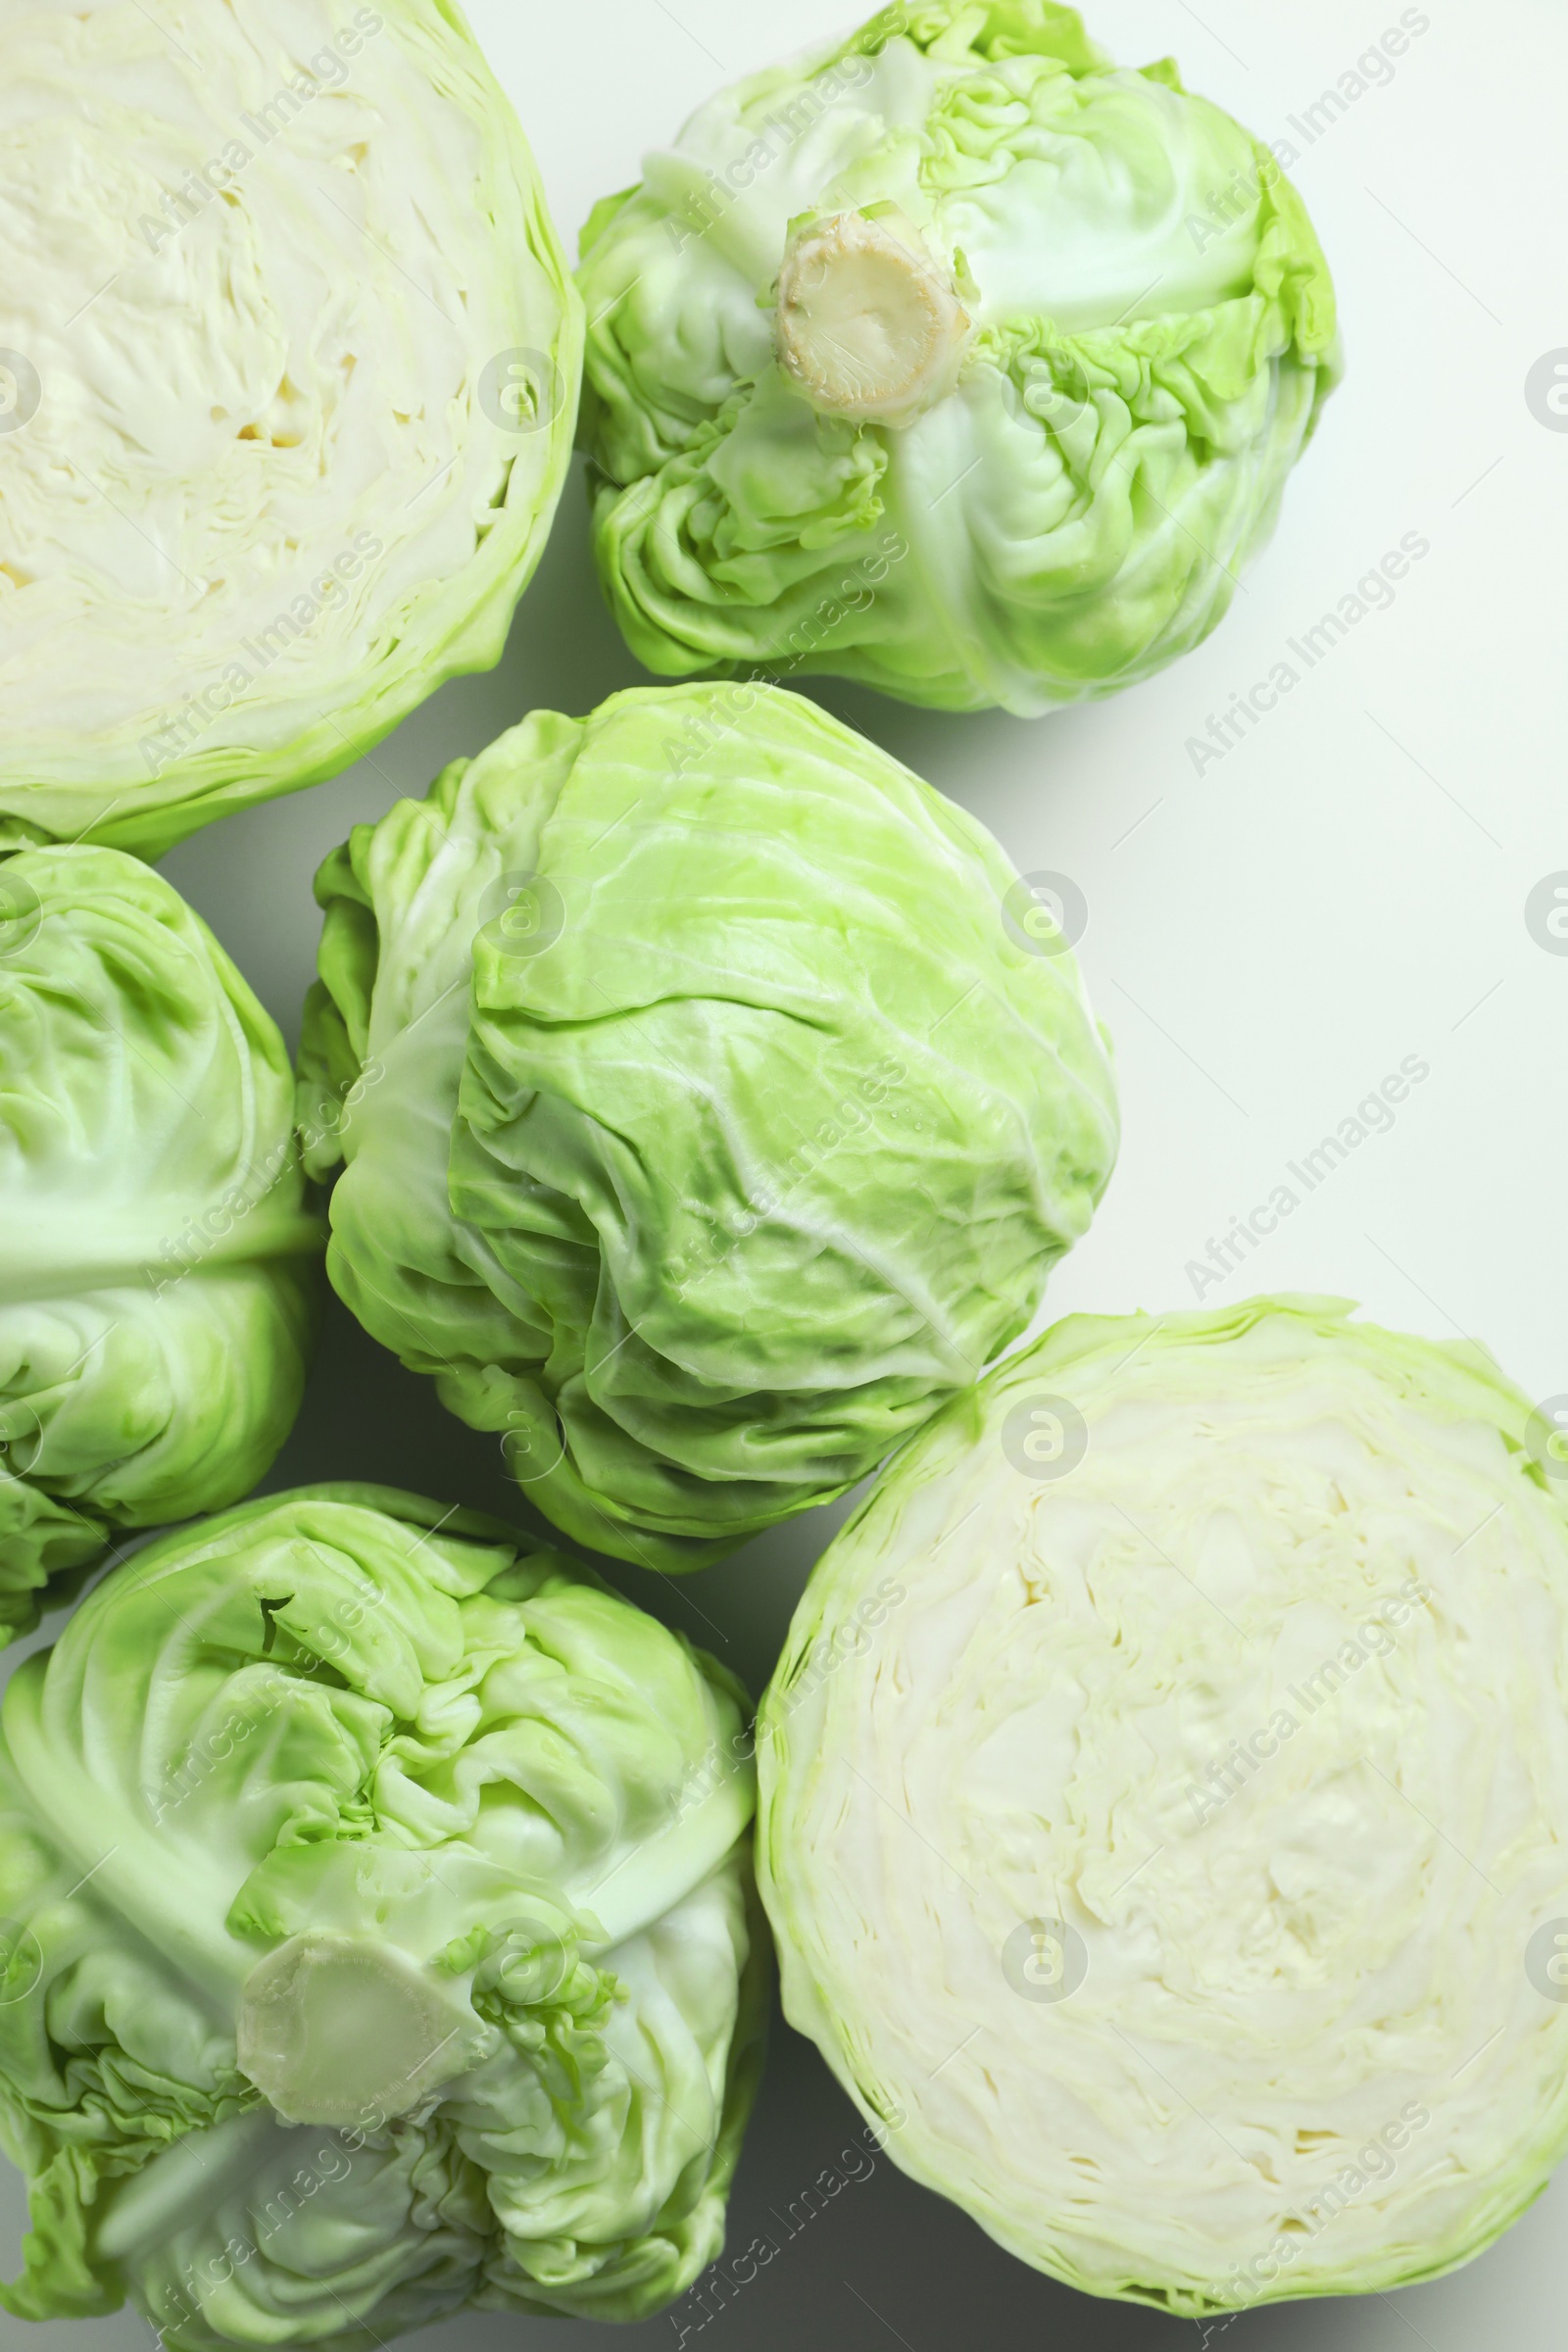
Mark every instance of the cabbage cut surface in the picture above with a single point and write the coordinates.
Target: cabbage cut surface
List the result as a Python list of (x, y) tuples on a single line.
[(288, 371), (1166, 1806)]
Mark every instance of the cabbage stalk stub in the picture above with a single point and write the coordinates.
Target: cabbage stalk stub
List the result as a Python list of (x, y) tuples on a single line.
[(1164, 1806), (159, 1265), (379, 1935), (870, 326), (712, 1112), (289, 363), (953, 358)]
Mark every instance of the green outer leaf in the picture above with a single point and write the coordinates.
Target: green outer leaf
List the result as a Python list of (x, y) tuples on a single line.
[(159, 1265), (675, 2257), (445, 629), (710, 1199), (1106, 1366)]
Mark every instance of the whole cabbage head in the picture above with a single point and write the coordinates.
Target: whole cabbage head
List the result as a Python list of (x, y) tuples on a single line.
[(378, 1935), (159, 1267), (722, 1100), (955, 360), (1166, 1805), (289, 363)]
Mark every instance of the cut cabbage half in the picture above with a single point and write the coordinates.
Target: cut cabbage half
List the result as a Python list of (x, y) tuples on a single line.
[(289, 361), (1166, 1806)]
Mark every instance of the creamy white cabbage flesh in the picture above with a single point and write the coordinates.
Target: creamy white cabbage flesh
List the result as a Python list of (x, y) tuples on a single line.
[(1166, 1806), (288, 369)]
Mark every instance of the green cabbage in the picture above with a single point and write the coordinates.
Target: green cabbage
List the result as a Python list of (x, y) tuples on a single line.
[(286, 400), (1164, 1804), (720, 1110), (377, 1898), (954, 360), (158, 1266)]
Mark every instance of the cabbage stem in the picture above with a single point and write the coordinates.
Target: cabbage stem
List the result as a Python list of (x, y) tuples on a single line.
[(871, 328), (342, 2031)]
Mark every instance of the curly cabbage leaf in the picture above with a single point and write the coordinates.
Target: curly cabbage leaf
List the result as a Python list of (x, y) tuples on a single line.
[(710, 1118), (377, 1942), (1165, 1803), (159, 1266), (955, 360), (289, 363)]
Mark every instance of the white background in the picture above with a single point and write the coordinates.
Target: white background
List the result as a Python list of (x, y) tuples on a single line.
[(1267, 940)]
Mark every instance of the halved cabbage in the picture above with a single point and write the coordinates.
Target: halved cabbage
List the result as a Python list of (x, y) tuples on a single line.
[(1166, 1806), (289, 362), (375, 1893)]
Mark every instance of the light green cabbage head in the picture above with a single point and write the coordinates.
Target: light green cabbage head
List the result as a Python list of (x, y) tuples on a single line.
[(1166, 1805), (378, 1935), (289, 363), (955, 360), (159, 1267), (719, 1106)]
